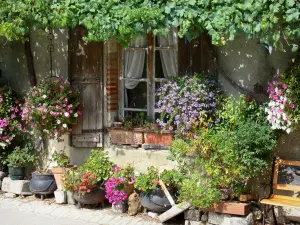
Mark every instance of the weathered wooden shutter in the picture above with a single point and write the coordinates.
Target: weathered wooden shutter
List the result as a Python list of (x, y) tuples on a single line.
[(86, 71), (197, 55)]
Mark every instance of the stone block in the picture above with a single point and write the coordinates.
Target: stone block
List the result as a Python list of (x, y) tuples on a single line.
[(190, 222), (204, 217), (192, 214), (10, 195), (292, 214), (217, 218), (60, 197), (239, 220), (19, 187), (70, 199)]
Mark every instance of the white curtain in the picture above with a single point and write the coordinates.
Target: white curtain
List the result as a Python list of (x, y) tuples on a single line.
[(134, 62), (168, 57)]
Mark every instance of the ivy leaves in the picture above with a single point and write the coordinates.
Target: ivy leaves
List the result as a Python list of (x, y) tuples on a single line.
[(273, 21)]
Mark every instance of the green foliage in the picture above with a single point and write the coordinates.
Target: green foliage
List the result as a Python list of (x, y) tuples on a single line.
[(21, 156), (291, 77), (226, 155), (61, 158), (98, 163), (126, 171), (147, 182), (270, 21), (137, 121)]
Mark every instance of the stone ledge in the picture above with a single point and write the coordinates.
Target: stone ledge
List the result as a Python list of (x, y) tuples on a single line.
[(19, 187)]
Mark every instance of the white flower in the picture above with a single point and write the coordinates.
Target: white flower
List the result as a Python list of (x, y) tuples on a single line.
[(44, 96), (46, 131), (2, 144), (288, 130), (75, 114), (65, 125), (67, 114), (58, 122)]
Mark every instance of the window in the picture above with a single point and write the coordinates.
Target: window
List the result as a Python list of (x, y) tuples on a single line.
[(149, 60)]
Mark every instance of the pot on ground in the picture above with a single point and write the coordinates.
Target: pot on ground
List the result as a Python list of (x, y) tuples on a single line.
[(96, 196), (16, 172), (58, 173), (42, 184), (156, 201)]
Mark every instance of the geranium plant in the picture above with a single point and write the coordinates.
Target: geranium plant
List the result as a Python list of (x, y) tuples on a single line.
[(149, 181), (280, 108), (76, 180), (10, 118), (61, 158), (21, 156), (188, 103), (117, 187), (52, 108)]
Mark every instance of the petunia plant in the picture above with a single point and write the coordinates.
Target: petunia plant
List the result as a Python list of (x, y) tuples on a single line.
[(117, 187), (188, 103), (52, 108), (10, 117)]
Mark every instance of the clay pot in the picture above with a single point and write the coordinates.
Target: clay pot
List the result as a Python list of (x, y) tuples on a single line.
[(58, 174)]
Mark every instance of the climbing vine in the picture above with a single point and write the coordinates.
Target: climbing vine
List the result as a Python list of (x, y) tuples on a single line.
[(274, 22)]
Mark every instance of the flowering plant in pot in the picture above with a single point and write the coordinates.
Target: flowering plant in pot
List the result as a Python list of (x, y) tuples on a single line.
[(152, 196), (52, 108), (19, 159), (188, 103), (120, 185), (87, 181), (63, 161)]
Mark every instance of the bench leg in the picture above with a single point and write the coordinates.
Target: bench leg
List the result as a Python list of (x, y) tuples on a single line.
[(274, 216)]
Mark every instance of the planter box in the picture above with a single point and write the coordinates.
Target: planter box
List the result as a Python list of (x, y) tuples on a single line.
[(162, 138), (121, 136)]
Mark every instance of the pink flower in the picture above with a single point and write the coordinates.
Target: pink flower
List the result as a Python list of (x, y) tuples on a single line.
[(66, 100), (58, 80), (61, 87), (292, 106), (70, 91), (68, 169), (284, 86), (13, 116), (133, 180)]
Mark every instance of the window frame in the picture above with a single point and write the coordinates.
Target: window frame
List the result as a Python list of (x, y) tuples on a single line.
[(150, 50)]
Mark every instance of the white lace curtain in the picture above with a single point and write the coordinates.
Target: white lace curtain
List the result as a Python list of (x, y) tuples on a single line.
[(135, 60)]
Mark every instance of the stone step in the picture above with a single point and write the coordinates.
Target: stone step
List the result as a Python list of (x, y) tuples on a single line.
[(19, 187)]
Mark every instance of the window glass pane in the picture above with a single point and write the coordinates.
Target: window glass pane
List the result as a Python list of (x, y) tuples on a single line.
[(159, 73), (136, 97)]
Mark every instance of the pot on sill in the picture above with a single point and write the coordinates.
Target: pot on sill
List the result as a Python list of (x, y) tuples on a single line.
[(58, 173)]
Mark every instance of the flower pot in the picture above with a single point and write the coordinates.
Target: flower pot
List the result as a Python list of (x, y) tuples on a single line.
[(96, 196), (120, 207), (121, 136), (16, 172), (58, 173), (156, 201), (42, 184), (163, 138), (129, 188)]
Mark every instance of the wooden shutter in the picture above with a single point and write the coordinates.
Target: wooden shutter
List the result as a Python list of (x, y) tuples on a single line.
[(196, 56), (86, 71)]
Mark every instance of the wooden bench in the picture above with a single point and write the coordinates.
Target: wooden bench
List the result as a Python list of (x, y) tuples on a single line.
[(286, 177)]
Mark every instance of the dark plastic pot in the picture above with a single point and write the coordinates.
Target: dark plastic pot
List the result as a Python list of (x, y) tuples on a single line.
[(96, 196), (16, 172), (156, 201), (42, 184)]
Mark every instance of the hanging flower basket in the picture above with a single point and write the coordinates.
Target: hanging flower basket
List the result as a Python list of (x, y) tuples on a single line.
[(51, 108)]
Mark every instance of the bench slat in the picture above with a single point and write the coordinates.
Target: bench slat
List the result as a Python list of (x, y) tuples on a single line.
[(280, 200)]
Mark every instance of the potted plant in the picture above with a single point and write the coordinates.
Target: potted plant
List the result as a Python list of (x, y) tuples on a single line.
[(63, 161), (87, 181), (52, 108), (119, 186), (152, 196), (18, 160), (42, 182)]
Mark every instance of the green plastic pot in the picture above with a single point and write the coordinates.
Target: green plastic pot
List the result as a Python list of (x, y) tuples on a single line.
[(16, 172)]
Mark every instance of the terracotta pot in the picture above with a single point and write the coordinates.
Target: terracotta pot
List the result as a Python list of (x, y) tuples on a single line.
[(154, 126), (123, 136), (163, 138), (58, 174), (129, 188)]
